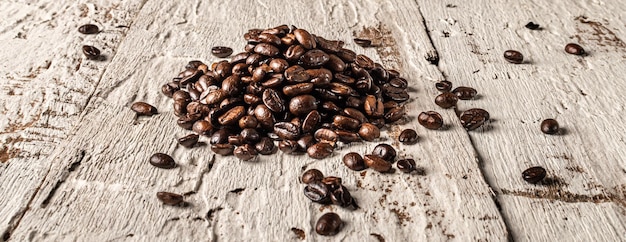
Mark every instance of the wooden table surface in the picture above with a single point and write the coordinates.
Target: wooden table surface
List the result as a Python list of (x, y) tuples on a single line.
[(73, 157)]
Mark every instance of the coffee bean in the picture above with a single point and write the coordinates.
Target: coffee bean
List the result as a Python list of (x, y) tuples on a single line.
[(399, 83), (265, 146), (385, 151), (169, 198), (430, 120), (221, 51), (354, 161), (326, 135), (266, 49), (534, 174), (187, 121), (332, 182), (279, 65), (363, 42), (305, 141), (311, 121), (330, 46), (341, 196), (355, 114), (369, 132), (286, 130), (574, 49), (235, 140), (328, 224), (406, 165), (245, 152), (377, 163), (532, 26), (513, 56), (343, 122), (273, 100), (188, 140), (408, 137), (302, 104), (314, 58), (346, 55), (298, 89), (394, 114), (202, 127), (91, 52), (250, 136), (223, 149), (446, 100), (169, 89), (161, 160), (88, 29), (305, 38), (317, 192), (320, 150), (374, 106), (347, 136), (288, 146), (473, 118), (465, 93), (232, 116), (364, 61), (549, 126), (443, 86), (269, 38), (220, 136), (312, 175), (143, 109), (264, 116)]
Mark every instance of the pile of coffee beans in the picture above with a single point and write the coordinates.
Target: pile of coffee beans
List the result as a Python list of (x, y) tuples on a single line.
[(326, 190), (289, 86), (470, 119)]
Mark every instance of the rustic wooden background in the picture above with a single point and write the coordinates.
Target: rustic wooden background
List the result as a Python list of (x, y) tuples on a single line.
[(73, 157)]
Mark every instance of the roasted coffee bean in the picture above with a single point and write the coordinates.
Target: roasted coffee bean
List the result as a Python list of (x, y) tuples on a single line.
[(473, 118), (374, 106), (328, 224), (354, 161), (161, 160), (91, 52), (188, 140), (278, 65), (311, 121), (513, 56), (364, 61), (332, 182), (574, 49), (378, 122), (317, 192), (273, 100), (320, 150), (532, 26), (369, 132), (252, 99), (408, 137), (312, 175), (294, 53), (335, 64), (355, 102), (214, 96), (239, 58), (235, 140), (446, 100), (143, 109), (430, 120), (302, 104), (223, 69), (221, 51), (443, 86), (314, 58), (355, 114), (305, 38), (169, 89), (347, 136), (265, 146), (245, 152), (346, 55), (320, 77), (326, 135), (269, 38), (223, 149), (264, 116), (390, 104), (363, 42), (202, 127), (286, 130), (169, 198), (88, 29), (465, 93), (288, 146), (181, 95), (385, 151), (248, 122), (266, 49), (534, 174), (250, 136), (394, 114), (220, 136), (187, 121), (406, 165), (232, 116), (549, 126), (341, 196), (330, 46), (343, 122), (393, 73), (377, 163), (305, 142), (193, 65), (298, 89), (399, 83)]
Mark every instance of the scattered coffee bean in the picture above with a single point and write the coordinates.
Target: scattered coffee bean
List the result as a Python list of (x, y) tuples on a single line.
[(91, 52), (574, 49), (328, 224), (513, 56), (369, 132), (532, 26), (408, 137), (406, 165), (377, 163), (385, 151), (465, 93), (430, 120), (221, 51), (143, 109), (188, 140), (88, 29), (472, 119), (550, 126), (161, 160), (317, 192), (446, 100), (169, 198), (320, 150), (443, 86), (354, 161), (363, 42), (312, 175), (534, 174)]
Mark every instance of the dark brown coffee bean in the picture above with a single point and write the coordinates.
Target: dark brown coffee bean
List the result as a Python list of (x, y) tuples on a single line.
[(443, 86), (363, 42), (446, 100), (312, 175), (286, 130), (354, 161), (332, 182), (328, 224), (513, 56), (223, 149), (532, 26), (346, 55), (574, 49), (394, 114), (273, 100), (235, 140), (298, 89), (305, 38), (330, 46), (326, 135), (232, 116), (473, 118), (534, 174), (296, 74), (202, 127), (245, 152), (550, 126), (193, 64), (169, 198), (430, 120), (269, 38), (302, 104), (250, 136), (220, 136), (377, 163), (265, 146), (341, 196), (355, 102), (221, 51), (305, 142), (88, 29), (374, 106), (91, 52), (169, 89), (369, 132), (341, 89), (212, 97), (223, 69), (408, 137), (364, 61), (266, 49), (239, 58), (314, 58), (264, 116), (347, 136), (288, 146), (161, 160), (311, 121), (317, 192), (399, 83), (320, 150), (355, 114), (294, 53), (188, 141), (465, 93), (320, 77), (343, 122), (181, 95), (335, 64), (248, 121), (187, 121), (278, 65), (143, 109), (252, 99), (385, 151), (406, 165)]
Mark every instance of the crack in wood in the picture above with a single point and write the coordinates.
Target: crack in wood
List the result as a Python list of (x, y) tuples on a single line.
[(72, 167)]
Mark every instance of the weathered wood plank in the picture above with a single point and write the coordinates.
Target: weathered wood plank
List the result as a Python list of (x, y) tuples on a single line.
[(584, 201), (102, 188)]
